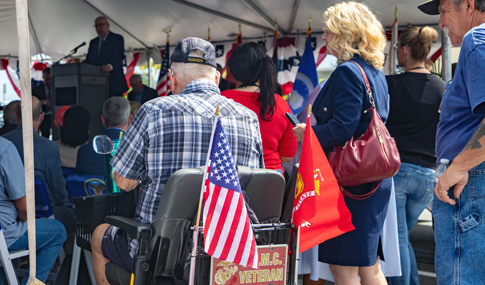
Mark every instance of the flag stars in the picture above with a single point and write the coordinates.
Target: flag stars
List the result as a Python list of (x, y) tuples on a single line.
[(221, 134), (228, 180), (235, 183), (224, 174), (219, 144), (218, 177)]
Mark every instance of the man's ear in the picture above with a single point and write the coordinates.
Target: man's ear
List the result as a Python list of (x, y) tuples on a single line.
[(218, 77), (103, 121), (470, 6), (41, 117)]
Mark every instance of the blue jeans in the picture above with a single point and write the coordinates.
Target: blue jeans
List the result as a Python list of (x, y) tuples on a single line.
[(49, 237), (460, 233), (414, 190)]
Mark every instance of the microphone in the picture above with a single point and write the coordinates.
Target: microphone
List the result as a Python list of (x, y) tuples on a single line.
[(74, 50)]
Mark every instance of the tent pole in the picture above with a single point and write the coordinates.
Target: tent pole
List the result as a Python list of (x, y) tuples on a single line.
[(34, 35), (27, 128), (217, 13), (263, 15), (293, 15), (446, 57)]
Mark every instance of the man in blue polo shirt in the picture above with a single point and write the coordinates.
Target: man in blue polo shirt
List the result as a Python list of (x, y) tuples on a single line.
[(459, 202), (50, 234)]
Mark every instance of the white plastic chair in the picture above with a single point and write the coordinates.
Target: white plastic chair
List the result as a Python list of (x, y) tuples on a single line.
[(6, 259)]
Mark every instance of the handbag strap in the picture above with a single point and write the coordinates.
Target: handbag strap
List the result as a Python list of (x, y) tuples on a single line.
[(367, 84), (363, 196)]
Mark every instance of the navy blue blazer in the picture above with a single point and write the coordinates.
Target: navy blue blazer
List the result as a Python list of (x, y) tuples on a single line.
[(88, 161), (339, 107), (148, 94), (112, 52)]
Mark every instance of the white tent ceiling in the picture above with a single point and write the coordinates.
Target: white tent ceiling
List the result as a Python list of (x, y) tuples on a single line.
[(60, 25)]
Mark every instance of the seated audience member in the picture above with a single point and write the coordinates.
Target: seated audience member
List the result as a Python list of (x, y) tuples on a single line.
[(116, 118), (74, 133), (255, 74), (171, 133), (44, 93), (140, 93), (9, 121), (47, 165), (223, 83), (50, 234), (134, 107)]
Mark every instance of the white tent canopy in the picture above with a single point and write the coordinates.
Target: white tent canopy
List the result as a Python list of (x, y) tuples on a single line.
[(57, 26)]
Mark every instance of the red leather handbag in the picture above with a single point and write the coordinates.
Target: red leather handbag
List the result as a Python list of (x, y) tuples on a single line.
[(370, 158)]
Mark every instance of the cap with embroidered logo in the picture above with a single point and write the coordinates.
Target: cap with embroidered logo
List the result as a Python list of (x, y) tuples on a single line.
[(430, 7), (185, 46)]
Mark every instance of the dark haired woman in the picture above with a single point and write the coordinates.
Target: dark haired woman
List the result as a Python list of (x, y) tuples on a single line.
[(255, 74), (417, 91), (74, 133)]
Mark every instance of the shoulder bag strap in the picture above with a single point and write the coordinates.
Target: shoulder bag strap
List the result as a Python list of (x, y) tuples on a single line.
[(367, 84)]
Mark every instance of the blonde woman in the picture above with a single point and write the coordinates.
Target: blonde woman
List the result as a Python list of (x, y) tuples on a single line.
[(352, 32)]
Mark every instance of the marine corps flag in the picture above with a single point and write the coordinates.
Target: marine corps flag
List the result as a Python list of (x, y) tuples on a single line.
[(319, 209)]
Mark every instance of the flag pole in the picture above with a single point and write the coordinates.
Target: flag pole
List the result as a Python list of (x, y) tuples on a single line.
[(196, 228), (297, 261)]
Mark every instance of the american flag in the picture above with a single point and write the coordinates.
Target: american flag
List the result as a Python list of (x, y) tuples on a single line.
[(163, 85), (227, 232)]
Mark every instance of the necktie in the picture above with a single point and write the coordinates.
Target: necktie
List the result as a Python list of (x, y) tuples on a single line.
[(100, 46)]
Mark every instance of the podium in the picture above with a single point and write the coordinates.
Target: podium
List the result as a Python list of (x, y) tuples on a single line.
[(80, 84)]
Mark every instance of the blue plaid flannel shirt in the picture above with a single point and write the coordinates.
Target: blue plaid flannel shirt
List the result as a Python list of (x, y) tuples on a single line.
[(173, 132)]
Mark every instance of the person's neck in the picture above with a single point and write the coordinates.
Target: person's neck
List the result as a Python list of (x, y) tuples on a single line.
[(248, 89), (416, 67)]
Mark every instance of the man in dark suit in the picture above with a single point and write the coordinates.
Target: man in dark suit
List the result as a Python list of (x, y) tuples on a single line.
[(44, 93), (116, 118), (108, 51), (140, 93)]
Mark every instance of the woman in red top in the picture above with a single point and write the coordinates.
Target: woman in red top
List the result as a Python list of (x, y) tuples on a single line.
[(255, 74)]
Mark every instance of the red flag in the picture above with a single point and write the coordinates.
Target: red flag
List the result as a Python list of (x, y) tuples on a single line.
[(227, 231), (130, 69), (319, 208), (321, 55)]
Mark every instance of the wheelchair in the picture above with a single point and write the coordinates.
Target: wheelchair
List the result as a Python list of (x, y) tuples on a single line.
[(165, 239)]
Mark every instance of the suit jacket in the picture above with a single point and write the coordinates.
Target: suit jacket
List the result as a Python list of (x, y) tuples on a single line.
[(112, 52), (47, 165), (148, 94), (88, 161), (339, 107), (39, 92)]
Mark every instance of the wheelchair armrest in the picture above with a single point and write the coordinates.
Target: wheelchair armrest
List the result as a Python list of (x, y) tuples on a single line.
[(133, 228)]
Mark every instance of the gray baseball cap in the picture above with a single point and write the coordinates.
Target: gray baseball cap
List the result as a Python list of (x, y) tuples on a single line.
[(430, 7), (185, 46)]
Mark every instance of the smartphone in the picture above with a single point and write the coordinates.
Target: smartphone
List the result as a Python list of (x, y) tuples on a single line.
[(292, 118)]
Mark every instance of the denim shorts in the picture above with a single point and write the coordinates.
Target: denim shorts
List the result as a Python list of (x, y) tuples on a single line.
[(460, 233), (116, 248)]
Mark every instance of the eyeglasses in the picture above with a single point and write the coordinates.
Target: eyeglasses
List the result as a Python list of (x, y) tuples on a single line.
[(325, 32), (99, 25)]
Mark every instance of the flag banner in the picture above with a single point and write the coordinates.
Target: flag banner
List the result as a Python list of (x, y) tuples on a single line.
[(227, 231), (219, 50), (225, 73), (319, 209), (288, 59), (12, 76), (322, 54), (163, 84), (305, 81), (130, 69)]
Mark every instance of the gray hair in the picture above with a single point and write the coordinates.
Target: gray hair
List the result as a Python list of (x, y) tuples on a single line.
[(116, 112), (9, 112), (192, 71), (136, 77), (479, 5)]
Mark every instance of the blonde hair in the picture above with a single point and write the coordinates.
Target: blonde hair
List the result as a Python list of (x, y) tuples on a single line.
[(356, 31)]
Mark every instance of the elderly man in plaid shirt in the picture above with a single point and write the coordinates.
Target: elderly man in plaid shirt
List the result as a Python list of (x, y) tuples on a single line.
[(171, 133)]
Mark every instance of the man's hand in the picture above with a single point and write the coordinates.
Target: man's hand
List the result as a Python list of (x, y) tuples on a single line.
[(299, 131), (448, 179), (105, 69)]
